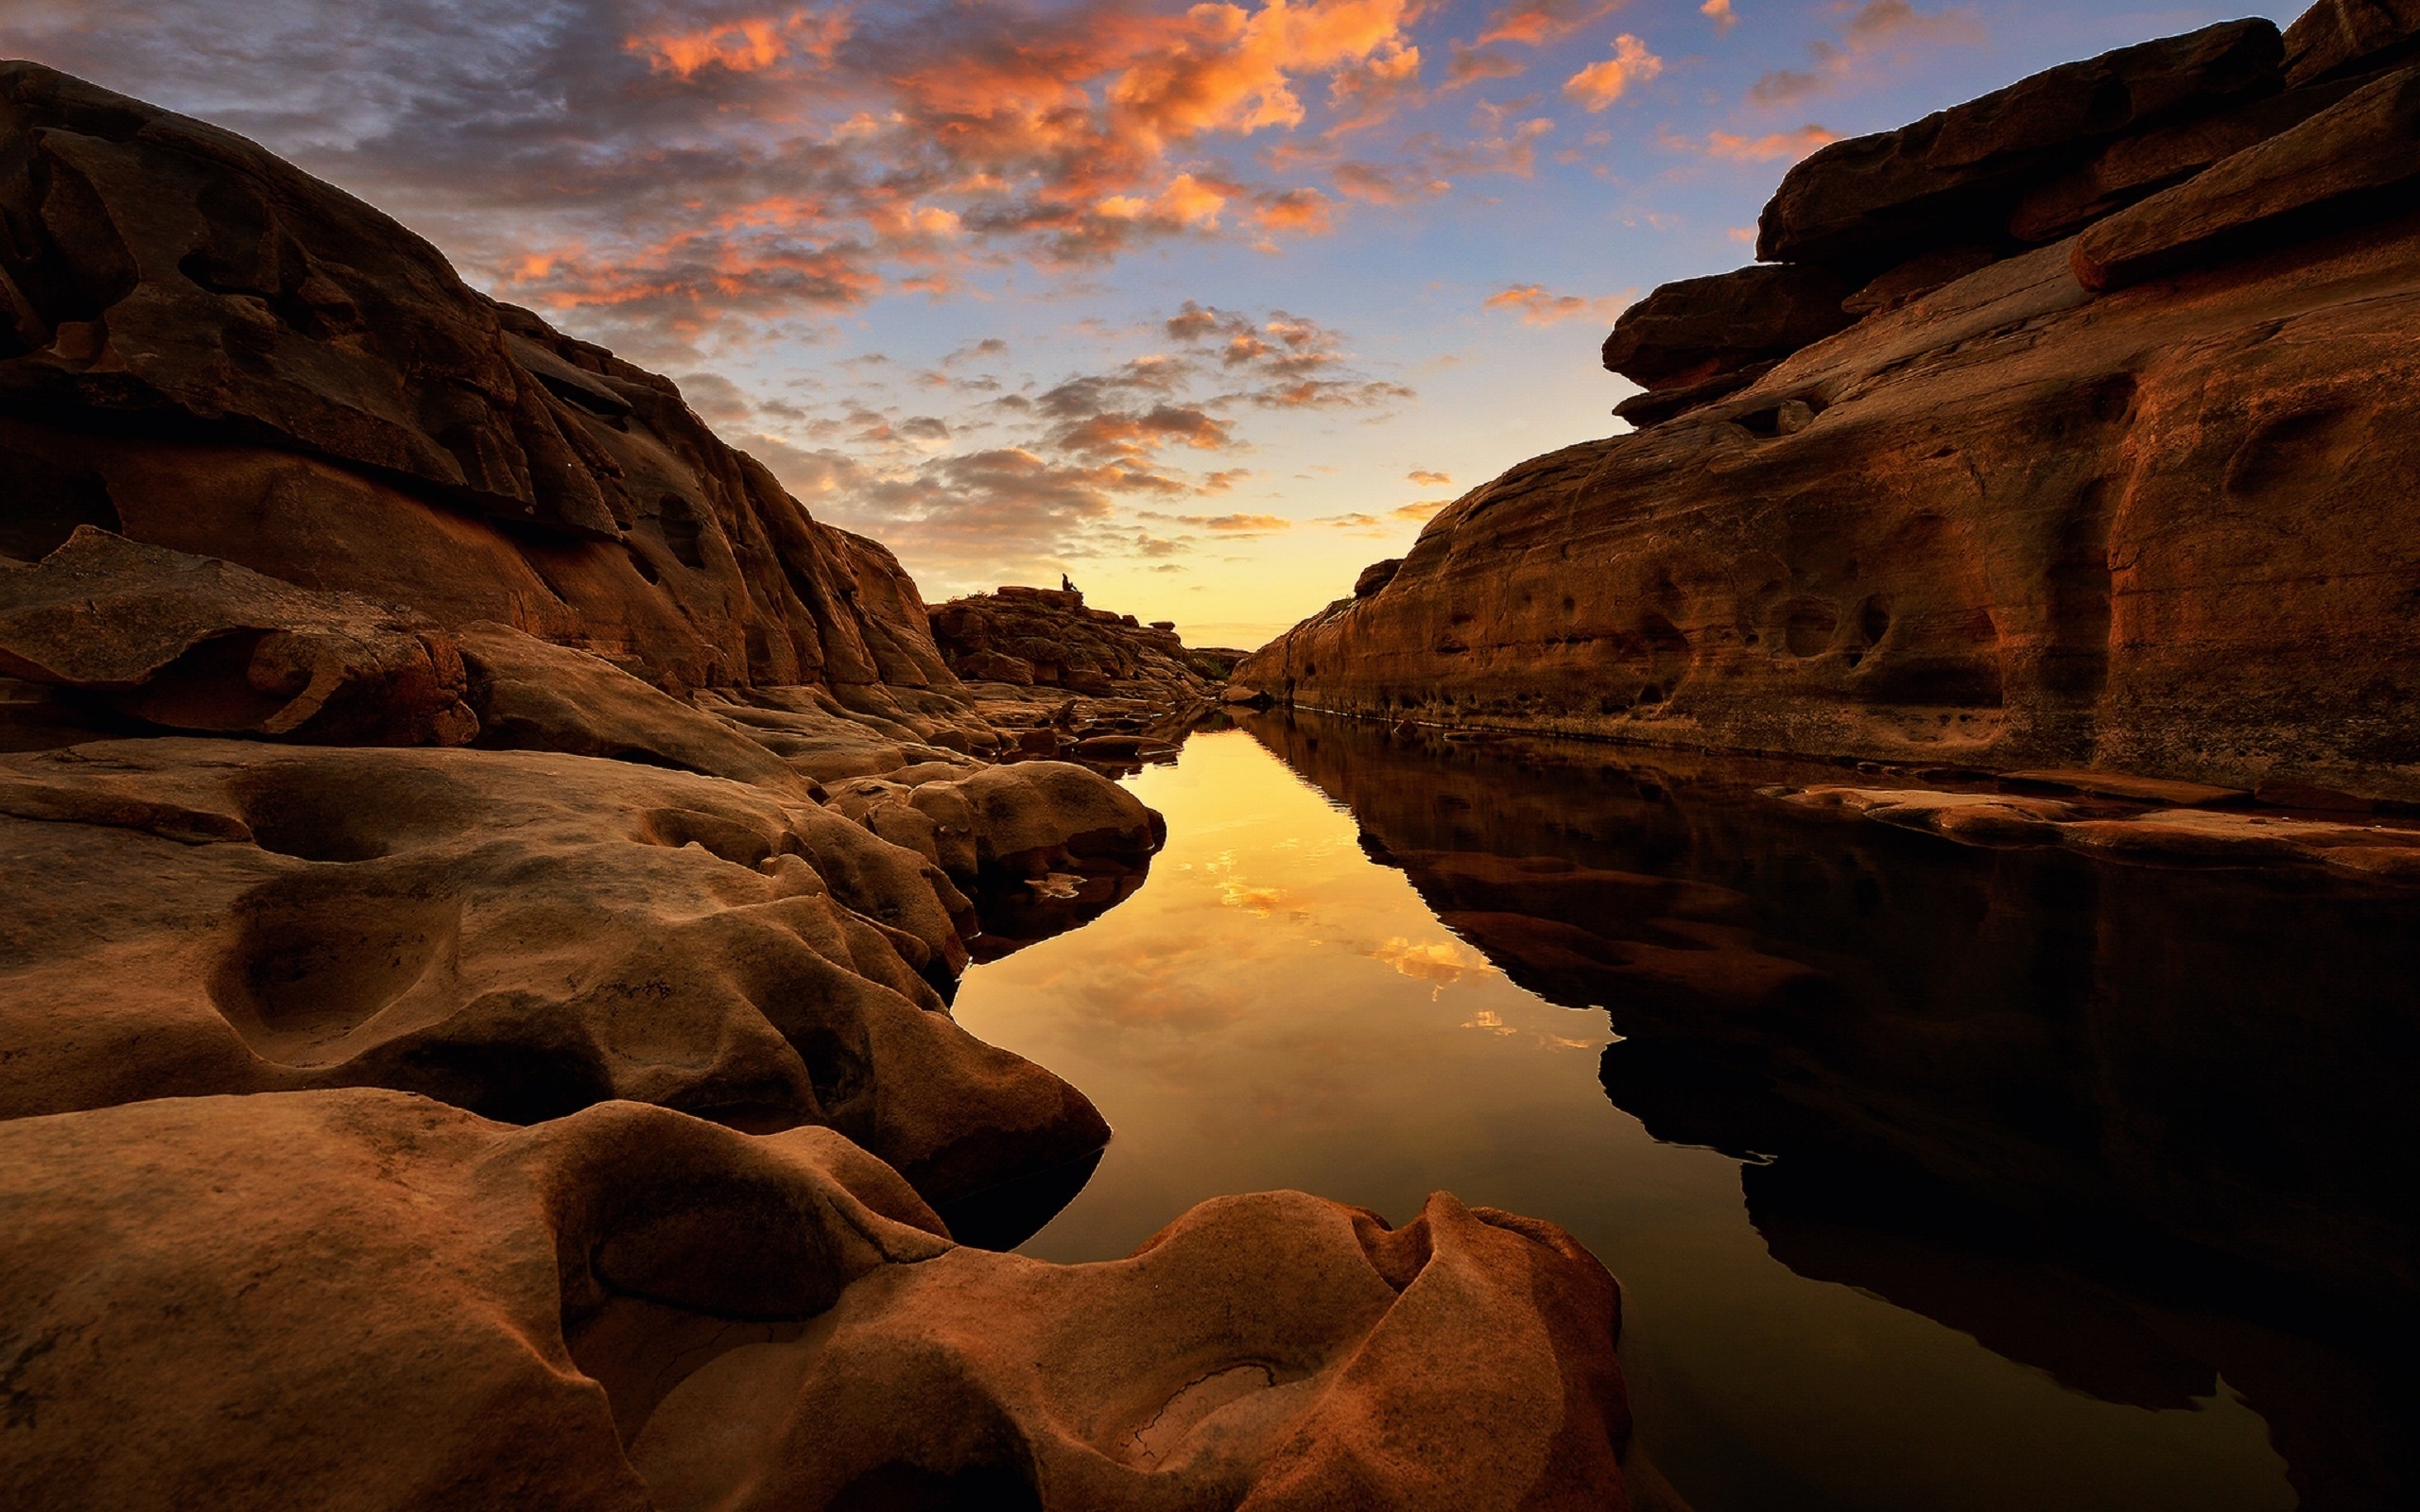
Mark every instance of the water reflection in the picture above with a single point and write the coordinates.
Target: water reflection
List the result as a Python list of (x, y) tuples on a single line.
[(2014, 1178)]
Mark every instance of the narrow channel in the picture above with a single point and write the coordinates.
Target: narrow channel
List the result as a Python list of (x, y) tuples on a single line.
[(1854, 1277)]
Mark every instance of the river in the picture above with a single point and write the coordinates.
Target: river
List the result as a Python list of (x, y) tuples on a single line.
[(1935, 1177)]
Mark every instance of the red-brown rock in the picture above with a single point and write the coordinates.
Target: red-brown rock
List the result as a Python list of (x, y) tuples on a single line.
[(2336, 38), (2164, 531), (2355, 160), (190, 644), (521, 934), (1952, 177), (1689, 332), (205, 347), (366, 1299)]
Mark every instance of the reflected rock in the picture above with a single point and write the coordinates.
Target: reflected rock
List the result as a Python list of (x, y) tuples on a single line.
[(2094, 1090), (384, 1302)]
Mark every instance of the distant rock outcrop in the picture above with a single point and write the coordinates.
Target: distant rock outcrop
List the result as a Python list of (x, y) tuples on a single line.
[(2135, 500)]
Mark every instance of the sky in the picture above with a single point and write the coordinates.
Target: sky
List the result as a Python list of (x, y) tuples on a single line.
[(1205, 305)]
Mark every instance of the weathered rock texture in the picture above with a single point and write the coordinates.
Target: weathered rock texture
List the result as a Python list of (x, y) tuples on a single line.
[(1047, 637), (203, 348), (540, 687), (2163, 528), (521, 934), (192, 644), (366, 1300)]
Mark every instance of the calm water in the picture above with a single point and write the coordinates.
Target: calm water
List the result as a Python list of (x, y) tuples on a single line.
[(1935, 1179)]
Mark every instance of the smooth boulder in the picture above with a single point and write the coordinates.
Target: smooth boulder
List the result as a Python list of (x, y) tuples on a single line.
[(519, 933), (192, 644), (368, 1300)]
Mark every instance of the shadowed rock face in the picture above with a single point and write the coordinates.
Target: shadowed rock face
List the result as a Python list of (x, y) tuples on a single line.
[(368, 1300), (190, 644), (287, 379)]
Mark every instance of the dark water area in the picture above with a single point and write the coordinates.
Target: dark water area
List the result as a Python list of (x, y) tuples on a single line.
[(1936, 1176)]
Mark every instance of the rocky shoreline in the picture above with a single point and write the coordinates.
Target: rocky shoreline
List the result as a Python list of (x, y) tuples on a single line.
[(482, 877)]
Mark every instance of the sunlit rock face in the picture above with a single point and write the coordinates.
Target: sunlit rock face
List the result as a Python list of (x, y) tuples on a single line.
[(2157, 525), (369, 1299), (207, 349), (520, 934)]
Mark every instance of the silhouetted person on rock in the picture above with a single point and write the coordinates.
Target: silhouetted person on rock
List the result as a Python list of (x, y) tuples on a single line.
[(1066, 584)]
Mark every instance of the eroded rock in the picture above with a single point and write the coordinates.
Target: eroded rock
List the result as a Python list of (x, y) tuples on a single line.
[(1953, 177), (1690, 333), (2006, 525), (205, 347), (192, 644), (366, 1298), (515, 933), (2358, 158)]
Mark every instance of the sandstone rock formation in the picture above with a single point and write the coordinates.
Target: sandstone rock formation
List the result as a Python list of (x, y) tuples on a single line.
[(2154, 526), (581, 782), (1135, 688), (520, 934), (287, 379), (186, 643), (368, 1300)]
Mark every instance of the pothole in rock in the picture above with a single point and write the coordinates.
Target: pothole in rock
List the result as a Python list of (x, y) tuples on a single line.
[(315, 959)]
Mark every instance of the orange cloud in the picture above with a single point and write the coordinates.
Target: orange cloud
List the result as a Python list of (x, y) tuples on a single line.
[(1599, 84), (1539, 307), (1228, 68), (743, 47), (1539, 21), (1721, 13), (1426, 479), (1771, 146)]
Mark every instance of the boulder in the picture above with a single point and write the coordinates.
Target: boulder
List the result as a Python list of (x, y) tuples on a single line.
[(1375, 577), (206, 348), (2358, 160), (1953, 178), (192, 644), (520, 934), (2336, 38), (368, 1300), (2134, 168), (533, 695), (1037, 816), (1688, 332)]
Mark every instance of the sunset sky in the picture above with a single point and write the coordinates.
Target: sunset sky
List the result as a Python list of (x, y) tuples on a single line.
[(1205, 305)]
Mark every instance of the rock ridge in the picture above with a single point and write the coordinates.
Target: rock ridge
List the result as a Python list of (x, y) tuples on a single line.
[(2131, 500)]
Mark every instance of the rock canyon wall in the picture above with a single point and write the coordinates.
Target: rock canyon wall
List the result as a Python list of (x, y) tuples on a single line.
[(2072, 426)]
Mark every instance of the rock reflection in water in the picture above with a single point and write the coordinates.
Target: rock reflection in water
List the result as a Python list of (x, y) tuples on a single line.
[(1274, 1010), (2139, 1129)]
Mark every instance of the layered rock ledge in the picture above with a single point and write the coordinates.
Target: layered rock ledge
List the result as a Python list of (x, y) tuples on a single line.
[(2123, 488)]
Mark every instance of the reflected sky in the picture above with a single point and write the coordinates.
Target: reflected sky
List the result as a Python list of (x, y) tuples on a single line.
[(1274, 1010)]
